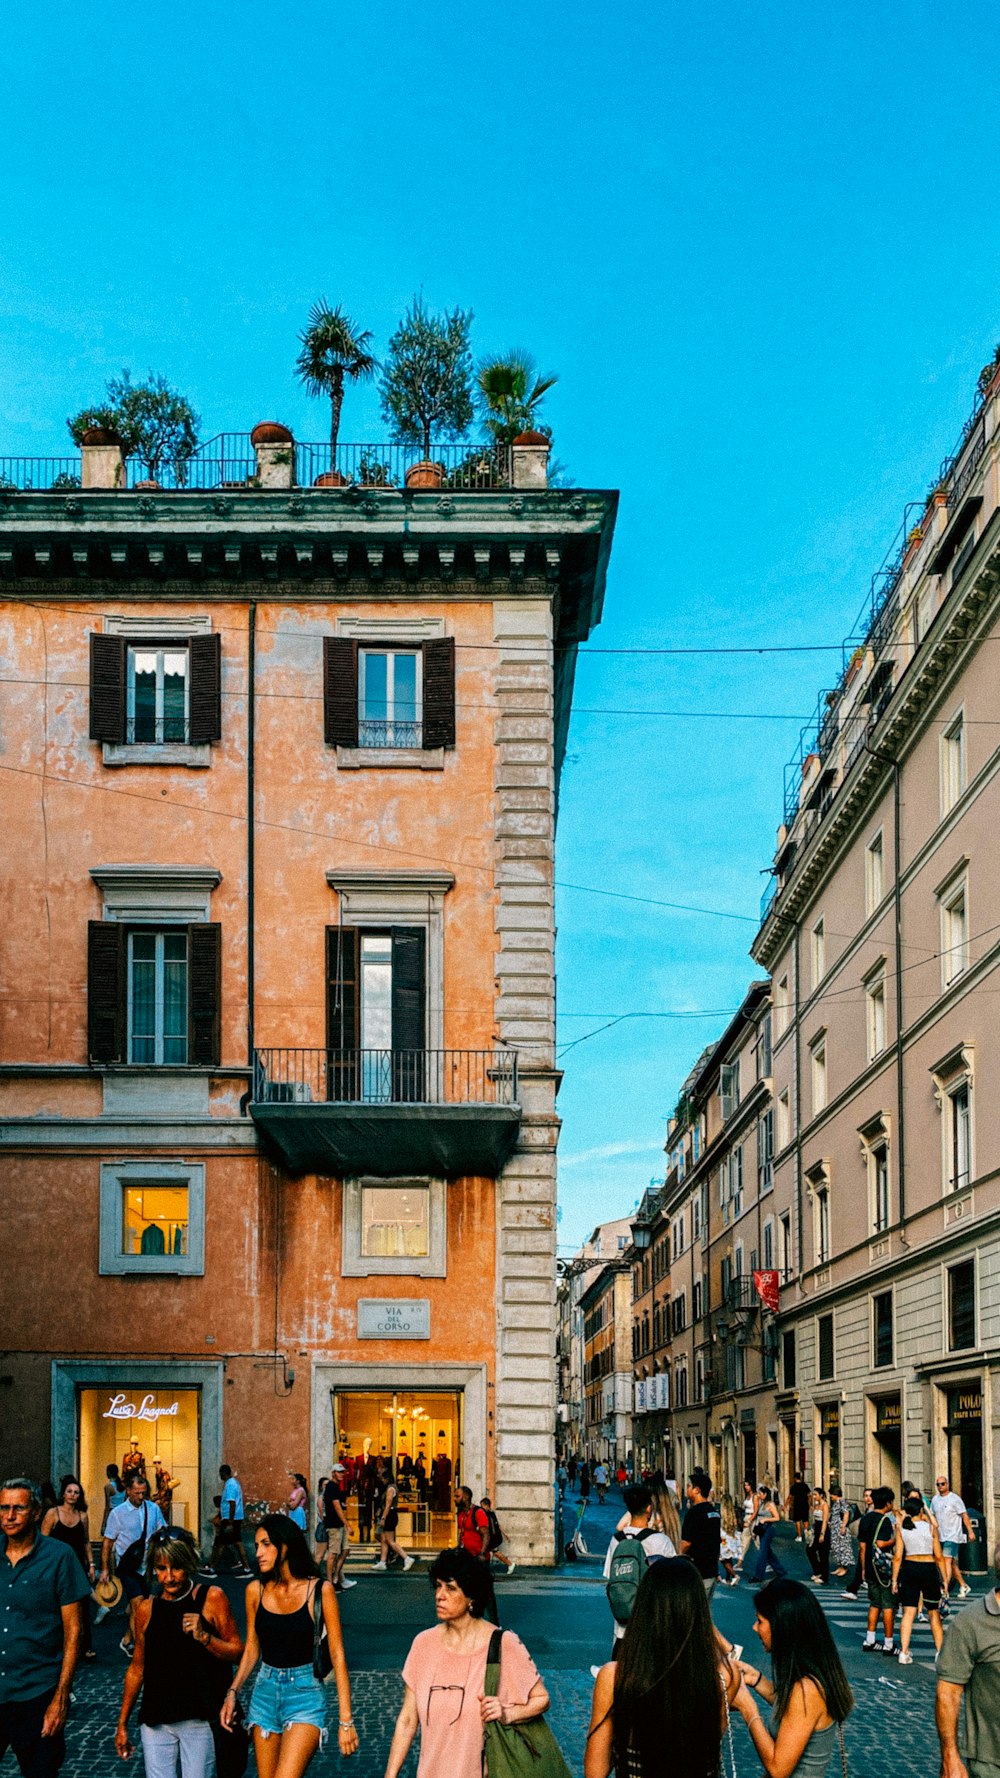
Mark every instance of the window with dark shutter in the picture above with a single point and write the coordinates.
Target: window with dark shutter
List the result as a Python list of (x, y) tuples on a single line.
[(340, 691), (107, 688), (409, 1017), (439, 692), (342, 1012), (106, 994), (205, 995), (206, 689), (825, 1340)]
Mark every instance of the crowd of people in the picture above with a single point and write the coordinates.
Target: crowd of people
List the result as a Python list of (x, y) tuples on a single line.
[(206, 1691)]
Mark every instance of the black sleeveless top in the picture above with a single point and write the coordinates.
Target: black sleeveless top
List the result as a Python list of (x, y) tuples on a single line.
[(182, 1681), (286, 1638), (73, 1535)]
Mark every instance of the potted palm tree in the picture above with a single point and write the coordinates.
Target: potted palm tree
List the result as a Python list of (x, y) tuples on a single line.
[(510, 391), (334, 352), (426, 385)]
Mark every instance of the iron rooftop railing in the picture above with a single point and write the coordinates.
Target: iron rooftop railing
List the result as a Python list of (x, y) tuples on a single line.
[(292, 1076)]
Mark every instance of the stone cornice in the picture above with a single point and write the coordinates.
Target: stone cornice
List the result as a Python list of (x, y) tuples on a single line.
[(918, 686)]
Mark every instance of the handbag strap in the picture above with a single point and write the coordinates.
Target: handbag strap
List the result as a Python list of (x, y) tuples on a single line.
[(729, 1733), (492, 1680), (843, 1750), (319, 1621)]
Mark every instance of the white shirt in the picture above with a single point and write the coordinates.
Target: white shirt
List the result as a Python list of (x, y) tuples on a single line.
[(656, 1544), (231, 1492), (600, 1475), (124, 1523), (948, 1510)]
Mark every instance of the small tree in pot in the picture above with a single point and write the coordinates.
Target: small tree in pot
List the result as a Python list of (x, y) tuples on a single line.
[(510, 391), (333, 351), (153, 421), (426, 385)]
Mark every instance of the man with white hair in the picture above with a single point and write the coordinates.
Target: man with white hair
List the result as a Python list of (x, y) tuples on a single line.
[(954, 1529), (41, 1587)]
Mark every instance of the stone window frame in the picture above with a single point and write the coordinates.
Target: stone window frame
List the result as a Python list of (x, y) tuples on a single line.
[(115, 1177), (886, 1288), (955, 887), (391, 632), (819, 1072), (875, 850), (159, 753), (401, 898), (817, 1179), (874, 1136), (875, 986), (954, 1070), (953, 748), (355, 1264)]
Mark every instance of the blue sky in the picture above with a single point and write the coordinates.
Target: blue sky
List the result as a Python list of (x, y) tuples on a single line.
[(758, 246)]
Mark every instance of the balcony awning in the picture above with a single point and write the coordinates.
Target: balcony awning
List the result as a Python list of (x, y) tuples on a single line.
[(390, 1141), (954, 534)]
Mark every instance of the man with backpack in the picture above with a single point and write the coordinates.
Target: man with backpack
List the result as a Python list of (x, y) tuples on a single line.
[(876, 1541), (629, 1554), (473, 1536), (495, 1537)]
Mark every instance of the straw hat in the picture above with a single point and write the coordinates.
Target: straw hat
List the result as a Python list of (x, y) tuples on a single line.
[(108, 1592)]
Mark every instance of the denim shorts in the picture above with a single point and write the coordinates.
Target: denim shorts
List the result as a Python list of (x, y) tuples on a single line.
[(283, 1695), (948, 1548)]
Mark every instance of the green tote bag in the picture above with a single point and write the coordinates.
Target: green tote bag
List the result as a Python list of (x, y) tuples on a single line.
[(518, 1749)]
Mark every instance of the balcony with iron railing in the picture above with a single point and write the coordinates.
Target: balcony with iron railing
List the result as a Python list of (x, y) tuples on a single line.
[(385, 1112), (873, 662), (228, 461)]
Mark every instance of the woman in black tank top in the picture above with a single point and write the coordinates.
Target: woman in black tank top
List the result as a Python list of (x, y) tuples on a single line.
[(68, 1523), (288, 1705), (185, 1644)]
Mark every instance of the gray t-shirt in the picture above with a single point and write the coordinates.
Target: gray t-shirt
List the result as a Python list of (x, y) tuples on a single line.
[(971, 1658)]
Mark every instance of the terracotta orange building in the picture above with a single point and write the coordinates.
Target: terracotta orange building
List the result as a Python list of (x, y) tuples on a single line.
[(277, 1087)]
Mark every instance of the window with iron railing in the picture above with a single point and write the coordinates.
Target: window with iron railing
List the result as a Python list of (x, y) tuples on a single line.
[(390, 697), (157, 695)]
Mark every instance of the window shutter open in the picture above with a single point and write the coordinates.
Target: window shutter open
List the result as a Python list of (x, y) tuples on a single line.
[(409, 1020), (342, 947), (107, 688), (439, 692), (340, 691), (204, 995), (205, 661), (106, 994)]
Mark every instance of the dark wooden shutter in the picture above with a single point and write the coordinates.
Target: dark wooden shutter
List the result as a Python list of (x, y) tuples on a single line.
[(106, 991), (206, 689), (340, 691), (439, 692), (342, 1012), (107, 688), (204, 995), (409, 1018)]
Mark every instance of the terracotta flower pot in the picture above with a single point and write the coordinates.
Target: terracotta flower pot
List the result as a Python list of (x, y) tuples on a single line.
[(532, 438), (143, 487), (331, 478), (425, 474), (270, 432)]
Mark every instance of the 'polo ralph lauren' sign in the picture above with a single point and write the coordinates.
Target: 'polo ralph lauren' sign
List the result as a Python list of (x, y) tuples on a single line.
[(394, 1319)]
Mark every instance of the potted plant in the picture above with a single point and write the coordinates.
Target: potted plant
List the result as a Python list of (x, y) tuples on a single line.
[(334, 352), (989, 374), (148, 420), (426, 385)]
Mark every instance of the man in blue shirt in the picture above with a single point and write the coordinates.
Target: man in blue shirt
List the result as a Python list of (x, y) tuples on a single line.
[(41, 1586), (230, 1535)]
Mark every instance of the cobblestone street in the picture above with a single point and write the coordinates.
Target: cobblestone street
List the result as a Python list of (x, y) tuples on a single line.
[(562, 1616)]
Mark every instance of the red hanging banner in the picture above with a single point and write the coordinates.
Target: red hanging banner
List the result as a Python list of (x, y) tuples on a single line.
[(766, 1286)]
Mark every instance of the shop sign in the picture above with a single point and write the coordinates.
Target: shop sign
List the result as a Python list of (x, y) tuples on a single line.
[(888, 1415), (966, 1404), (396, 1319), (640, 1398), (123, 1409), (830, 1419)]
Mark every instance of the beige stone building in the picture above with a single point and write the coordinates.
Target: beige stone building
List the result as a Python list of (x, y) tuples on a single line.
[(608, 1241), (881, 939)]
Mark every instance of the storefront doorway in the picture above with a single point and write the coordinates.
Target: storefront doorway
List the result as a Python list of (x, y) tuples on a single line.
[(886, 1456), (165, 1425), (965, 1442), (749, 1460), (829, 1444), (418, 1434)]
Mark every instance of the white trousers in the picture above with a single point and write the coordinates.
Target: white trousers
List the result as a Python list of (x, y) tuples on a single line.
[(178, 1748)]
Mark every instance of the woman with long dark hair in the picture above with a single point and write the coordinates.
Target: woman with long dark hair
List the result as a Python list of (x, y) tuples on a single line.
[(298, 1499), (68, 1522), (287, 1711), (808, 1689), (668, 1688)]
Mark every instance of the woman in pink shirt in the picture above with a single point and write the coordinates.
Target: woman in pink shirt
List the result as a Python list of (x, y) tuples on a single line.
[(445, 1675)]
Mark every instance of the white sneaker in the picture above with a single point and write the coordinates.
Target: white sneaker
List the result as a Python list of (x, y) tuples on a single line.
[(407, 1564), (964, 1591), (798, 1540), (348, 1583), (510, 1568), (905, 1658), (379, 1565)]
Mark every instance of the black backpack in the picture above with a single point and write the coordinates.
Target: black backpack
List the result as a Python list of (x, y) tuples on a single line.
[(494, 1536), (628, 1565)]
